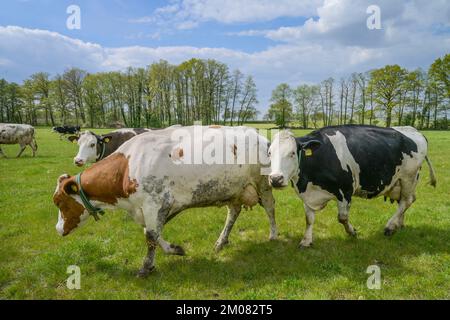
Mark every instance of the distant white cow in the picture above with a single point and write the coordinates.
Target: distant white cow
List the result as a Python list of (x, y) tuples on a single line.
[(21, 134)]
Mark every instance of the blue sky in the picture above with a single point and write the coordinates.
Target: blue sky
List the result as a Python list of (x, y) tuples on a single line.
[(289, 41)]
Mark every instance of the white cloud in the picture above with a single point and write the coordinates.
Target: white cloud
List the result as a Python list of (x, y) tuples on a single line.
[(25, 51), (188, 14)]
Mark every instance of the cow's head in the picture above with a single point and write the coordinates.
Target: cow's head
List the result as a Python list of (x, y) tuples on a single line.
[(89, 145), (284, 157), (72, 214)]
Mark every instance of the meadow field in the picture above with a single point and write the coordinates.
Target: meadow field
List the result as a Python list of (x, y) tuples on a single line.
[(414, 263)]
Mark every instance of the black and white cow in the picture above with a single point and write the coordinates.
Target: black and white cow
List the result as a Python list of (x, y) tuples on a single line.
[(93, 147), (345, 161), (67, 130), (22, 134)]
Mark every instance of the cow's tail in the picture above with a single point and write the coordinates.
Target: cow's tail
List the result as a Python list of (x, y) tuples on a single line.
[(433, 180)]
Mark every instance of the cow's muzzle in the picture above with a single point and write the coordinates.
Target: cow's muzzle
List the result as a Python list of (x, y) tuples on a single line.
[(276, 180), (79, 162)]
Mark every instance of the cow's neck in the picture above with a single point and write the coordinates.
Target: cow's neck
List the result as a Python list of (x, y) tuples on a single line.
[(108, 180)]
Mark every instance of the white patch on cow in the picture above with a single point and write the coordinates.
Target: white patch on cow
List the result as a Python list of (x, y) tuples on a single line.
[(345, 157), (315, 197), (60, 224)]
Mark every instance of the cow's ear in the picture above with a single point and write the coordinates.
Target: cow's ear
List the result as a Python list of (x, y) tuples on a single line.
[(71, 187), (73, 139), (106, 139), (311, 146)]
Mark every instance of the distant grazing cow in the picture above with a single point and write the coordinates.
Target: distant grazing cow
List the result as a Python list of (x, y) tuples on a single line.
[(93, 147), (67, 130), (21, 134), (345, 161), (155, 177)]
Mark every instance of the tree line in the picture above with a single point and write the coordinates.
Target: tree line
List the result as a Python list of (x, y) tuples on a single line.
[(386, 96), (160, 95)]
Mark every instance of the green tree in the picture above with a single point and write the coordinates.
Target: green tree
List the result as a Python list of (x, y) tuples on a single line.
[(386, 85), (280, 110)]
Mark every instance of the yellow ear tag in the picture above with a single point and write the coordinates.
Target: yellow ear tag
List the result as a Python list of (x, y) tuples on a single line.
[(106, 140), (74, 188), (308, 152)]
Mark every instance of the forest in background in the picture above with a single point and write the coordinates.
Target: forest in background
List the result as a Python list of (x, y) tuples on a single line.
[(206, 90)]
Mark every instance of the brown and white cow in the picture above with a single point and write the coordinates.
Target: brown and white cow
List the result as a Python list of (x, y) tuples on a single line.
[(157, 175), (21, 134), (93, 147)]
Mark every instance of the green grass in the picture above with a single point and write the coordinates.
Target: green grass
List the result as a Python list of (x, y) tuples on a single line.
[(415, 262)]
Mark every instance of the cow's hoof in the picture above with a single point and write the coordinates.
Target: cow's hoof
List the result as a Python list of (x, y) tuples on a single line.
[(388, 232), (178, 251), (219, 245), (354, 234), (305, 245), (273, 237), (145, 272)]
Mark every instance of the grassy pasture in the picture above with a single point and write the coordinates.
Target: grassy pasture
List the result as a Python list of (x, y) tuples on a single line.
[(415, 262)]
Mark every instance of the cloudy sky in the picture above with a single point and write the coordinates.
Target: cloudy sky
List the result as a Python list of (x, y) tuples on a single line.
[(293, 41)]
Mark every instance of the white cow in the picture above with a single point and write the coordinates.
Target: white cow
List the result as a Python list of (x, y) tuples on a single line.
[(21, 134), (156, 175)]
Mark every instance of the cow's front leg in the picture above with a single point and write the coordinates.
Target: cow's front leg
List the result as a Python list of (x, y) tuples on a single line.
[(2, 154), (170, 248), (268, 203), (149, 261), (233, 213), (308, 238), (343, 211)]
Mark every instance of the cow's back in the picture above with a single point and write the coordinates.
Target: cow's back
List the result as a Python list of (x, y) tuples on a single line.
[(16, 133), (156, 162)]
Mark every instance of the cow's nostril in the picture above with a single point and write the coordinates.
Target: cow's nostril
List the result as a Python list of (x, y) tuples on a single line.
[(276, 180)]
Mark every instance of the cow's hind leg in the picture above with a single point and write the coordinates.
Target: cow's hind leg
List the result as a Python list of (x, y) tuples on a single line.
[(407, 198), (2, 153), (22, 148), (343, 212), (233, 214), (308, 237), (268, 203)]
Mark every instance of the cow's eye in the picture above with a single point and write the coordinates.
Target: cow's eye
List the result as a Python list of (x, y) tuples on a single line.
[(92, 145), (270, 153), (293, 154)]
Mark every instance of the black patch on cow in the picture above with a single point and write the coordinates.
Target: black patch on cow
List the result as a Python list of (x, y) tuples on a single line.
[(377, 151), (116, 139)]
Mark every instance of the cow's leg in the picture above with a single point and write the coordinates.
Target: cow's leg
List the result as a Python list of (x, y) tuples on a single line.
[(33, 146), (2, 153), (268, 203), (233, 214), (154, 220), (407, 197), (343, 211), (308, 237), (22, 148), (149, 262), (170, 248)]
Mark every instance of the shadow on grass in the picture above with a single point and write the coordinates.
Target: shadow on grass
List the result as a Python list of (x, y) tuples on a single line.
[(259, 264)]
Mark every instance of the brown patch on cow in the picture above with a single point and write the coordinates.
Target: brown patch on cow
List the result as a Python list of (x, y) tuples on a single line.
[(177, 154), (215, 126), (71, 210), (108, 180)]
